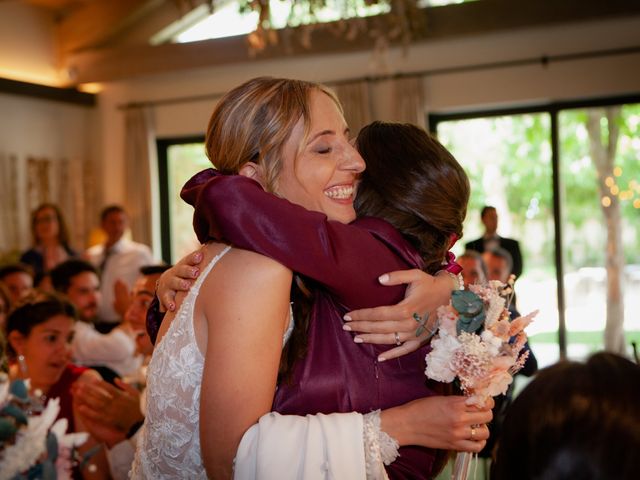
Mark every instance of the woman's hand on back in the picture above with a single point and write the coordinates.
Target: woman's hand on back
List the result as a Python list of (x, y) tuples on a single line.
[(178, 278), (399, 324)]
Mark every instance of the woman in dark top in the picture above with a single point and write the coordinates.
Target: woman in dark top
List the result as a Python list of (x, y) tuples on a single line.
[(50, 241)]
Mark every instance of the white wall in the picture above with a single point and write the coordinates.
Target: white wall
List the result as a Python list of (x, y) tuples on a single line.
[(45, 129), (586, 78)]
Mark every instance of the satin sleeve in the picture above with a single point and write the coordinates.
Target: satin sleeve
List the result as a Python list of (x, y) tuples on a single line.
[(345, 259)]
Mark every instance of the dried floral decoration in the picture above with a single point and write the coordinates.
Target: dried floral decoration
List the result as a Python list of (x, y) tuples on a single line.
[(477, 342), (33, 446)]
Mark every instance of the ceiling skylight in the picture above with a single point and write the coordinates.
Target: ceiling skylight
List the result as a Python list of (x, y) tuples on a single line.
[(227, 20)]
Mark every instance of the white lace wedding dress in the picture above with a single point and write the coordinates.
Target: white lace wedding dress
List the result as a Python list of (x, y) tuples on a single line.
[(169, 441)]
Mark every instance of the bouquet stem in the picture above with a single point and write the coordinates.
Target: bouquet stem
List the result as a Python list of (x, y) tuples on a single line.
[(461, 466)]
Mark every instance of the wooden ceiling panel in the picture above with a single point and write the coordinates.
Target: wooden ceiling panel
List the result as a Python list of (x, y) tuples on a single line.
[(57, 5)]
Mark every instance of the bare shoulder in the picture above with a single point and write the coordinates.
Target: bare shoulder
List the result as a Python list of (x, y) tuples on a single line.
[(246, 266), (244, 286)]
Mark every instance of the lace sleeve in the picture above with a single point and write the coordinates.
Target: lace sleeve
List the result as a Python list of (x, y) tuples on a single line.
[(379, 447)]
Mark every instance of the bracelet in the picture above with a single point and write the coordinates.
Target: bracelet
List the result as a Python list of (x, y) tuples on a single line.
[(457, 278)]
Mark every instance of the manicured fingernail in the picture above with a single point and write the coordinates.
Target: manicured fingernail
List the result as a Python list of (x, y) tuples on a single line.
[(346, 318), (172, 306), (383, 278), (195, 272), (382, 359), (358, 340), (346, 327)]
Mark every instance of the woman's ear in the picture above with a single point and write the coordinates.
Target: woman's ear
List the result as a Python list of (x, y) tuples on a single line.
[(16, 340), (253, 171)]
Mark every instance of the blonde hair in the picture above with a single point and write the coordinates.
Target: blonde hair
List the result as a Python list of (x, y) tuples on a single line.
[(253, 122)]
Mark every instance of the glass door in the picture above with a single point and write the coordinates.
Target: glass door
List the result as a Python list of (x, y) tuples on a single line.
[(508, 160), (600, 178)]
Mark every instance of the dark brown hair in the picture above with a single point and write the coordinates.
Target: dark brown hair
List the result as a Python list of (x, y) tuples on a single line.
[(63, 231), (574, 421), (415, 184), (35, 309)]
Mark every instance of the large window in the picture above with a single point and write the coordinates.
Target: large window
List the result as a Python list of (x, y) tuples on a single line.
[(179, 160), (565, 180)]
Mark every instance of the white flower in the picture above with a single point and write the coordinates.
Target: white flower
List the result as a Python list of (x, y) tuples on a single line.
[(439, 365), (447, 318), (492, 342), (30, 443)]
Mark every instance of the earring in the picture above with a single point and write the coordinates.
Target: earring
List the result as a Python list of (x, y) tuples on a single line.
[(22, 364)]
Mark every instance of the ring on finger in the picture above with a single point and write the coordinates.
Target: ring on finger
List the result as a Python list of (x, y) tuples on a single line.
[(398, 342)]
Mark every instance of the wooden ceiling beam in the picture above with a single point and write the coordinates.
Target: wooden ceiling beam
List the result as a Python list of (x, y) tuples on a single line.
[(93, 24), (486, 16)]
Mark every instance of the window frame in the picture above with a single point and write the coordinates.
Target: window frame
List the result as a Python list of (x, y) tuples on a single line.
[(163, 145)]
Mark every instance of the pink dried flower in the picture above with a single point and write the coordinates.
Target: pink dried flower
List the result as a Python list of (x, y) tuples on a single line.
[(520, 323)]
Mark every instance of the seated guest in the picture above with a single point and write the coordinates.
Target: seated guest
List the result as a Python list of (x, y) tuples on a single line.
[(18, 279), (499, 265), (574, 421), (5, 306), (112, 354), (118, 262), (474, 271), (113, 415), (39, 333), (50, 240)]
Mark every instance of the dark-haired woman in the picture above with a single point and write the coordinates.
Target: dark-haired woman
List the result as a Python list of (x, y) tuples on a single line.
[(574, 421), (50, 241), (414, 184), (39, 333)]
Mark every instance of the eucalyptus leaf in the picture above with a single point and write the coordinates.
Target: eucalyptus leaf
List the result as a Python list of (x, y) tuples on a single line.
[(15, 412), (52, 447), (49, 470), (19, 389), (7, 429), (470, 308)]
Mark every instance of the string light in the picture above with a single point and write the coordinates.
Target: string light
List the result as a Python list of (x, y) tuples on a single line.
[(623, 195)]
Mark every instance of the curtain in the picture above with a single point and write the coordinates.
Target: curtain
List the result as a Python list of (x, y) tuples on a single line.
[(356, 100), (10, 218), (409, 104), (140, 173)]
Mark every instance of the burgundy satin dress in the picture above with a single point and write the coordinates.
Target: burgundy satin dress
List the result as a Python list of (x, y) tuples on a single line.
[(336, 375)]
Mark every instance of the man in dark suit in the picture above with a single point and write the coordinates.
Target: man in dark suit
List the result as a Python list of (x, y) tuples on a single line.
[(491, 240)]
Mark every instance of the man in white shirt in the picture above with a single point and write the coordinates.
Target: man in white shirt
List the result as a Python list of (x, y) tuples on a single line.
[(118, 262), (78, 280)]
